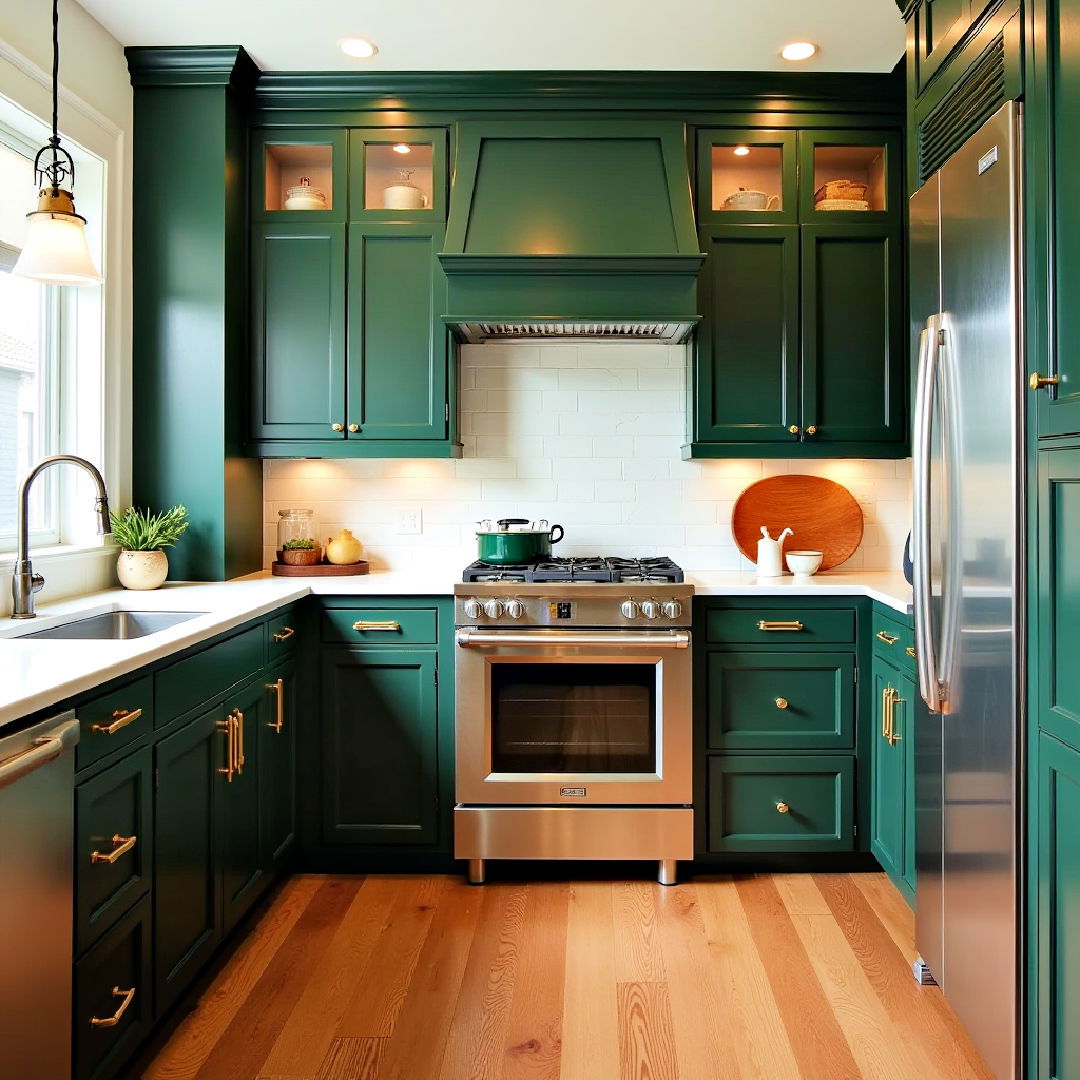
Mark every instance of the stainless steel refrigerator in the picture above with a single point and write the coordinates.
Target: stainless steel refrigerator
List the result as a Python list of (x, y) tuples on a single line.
[(968, 555)]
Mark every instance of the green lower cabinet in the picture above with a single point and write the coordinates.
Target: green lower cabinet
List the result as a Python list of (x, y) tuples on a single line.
[(379, 745), (114, 997), (781, 803), (277, 765), (1057, 939)]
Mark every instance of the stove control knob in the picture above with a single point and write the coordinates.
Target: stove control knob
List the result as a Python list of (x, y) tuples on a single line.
[(629, 609), (650, 609), (672, 609), (493, 609), (473, 609), (515, 609)]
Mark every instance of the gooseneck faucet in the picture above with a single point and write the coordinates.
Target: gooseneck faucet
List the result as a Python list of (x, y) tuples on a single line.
[(25, 582)]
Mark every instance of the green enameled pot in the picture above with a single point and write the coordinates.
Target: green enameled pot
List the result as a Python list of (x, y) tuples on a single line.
[(507, 548)]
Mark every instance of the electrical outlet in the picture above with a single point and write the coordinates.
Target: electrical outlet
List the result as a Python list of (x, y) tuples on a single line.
[(410, 522)]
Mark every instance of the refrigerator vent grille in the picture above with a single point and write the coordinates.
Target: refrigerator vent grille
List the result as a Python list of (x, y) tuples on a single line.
[(973, 101)]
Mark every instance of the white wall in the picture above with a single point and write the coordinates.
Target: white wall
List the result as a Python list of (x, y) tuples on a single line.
[(95, 112), (586, 435)]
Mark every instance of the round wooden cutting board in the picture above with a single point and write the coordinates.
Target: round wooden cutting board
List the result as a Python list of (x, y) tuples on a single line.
[(822, 514)]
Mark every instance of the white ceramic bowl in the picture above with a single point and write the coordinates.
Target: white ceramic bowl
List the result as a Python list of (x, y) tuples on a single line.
[(803, 563)]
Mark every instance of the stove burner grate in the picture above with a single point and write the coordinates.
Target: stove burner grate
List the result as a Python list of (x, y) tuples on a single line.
[(594, 568)]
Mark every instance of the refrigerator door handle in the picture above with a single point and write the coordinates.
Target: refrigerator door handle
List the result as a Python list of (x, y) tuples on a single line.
[(926, 385)]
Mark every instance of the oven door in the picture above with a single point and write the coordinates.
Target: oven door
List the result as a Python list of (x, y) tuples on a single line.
[(563, 718)]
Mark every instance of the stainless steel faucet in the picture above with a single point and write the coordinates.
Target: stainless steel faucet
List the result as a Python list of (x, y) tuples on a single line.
[(24, 582)]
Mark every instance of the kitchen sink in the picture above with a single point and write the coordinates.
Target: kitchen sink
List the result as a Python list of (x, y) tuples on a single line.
[(115, 625)]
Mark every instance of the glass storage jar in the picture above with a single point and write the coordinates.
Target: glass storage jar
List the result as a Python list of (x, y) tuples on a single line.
[(294, 527)]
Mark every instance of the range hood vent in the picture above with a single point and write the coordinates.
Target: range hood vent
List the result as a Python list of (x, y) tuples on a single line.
[(571, 230), (669, 333)]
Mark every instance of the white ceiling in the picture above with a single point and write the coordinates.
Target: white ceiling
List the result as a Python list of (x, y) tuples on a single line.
[(462, 35)]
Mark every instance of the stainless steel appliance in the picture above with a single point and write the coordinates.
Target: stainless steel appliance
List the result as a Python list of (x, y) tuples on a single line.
[(37, 808), (967, 550), (574, 731)]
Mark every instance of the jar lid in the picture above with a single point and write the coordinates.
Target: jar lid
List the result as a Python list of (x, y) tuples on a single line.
[(305, 188), (296, 513)]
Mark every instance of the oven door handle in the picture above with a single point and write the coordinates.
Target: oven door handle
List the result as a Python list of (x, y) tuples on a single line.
[(660, 639)]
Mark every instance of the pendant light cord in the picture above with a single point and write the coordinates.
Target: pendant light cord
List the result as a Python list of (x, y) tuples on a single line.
[(55, 71)]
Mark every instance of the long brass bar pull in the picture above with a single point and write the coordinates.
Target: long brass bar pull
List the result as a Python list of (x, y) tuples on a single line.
[(238, 720), (889, 639), (112, 1021), (793, 624), (278, 690), (121, 846), (389, 627), (121, 719), (885, 712), (228, 726), (894, 738)]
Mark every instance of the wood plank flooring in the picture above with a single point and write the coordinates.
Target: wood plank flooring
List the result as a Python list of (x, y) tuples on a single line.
[(762, 977)]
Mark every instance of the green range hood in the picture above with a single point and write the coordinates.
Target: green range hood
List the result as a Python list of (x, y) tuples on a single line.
[(571, 230)]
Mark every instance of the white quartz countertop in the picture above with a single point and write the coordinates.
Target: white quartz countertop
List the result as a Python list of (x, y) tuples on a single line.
[(35, 673)]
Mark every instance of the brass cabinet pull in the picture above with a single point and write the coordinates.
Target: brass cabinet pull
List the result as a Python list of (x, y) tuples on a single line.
[(121, 719), (811, 429), (354, 428), (911, 652), (337, 427), (112, 1021), (895, 700), (885, 711), (278, 690), (238, 720), (283, 634), (782, 808), (765, 624), (794, 429), (389, 626), (781, 702), (1039, 382), (228, 725), (121, 846), (889, 639)]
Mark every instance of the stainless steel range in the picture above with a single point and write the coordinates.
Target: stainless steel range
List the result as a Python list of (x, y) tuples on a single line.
[(574, 713)]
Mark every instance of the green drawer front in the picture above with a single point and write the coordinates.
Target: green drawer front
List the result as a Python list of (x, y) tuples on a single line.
[(894, 639), (745, 795), (111, 810), (207, 674), (113, 721), (781, 626), (104, 977), (384, 626), (780, 701), (283, 635)]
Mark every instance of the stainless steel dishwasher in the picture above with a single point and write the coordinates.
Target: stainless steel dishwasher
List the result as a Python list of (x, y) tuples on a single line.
[(37, 827)]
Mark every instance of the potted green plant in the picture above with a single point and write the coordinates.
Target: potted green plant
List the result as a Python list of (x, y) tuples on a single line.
[(143, 536), (301, 552)]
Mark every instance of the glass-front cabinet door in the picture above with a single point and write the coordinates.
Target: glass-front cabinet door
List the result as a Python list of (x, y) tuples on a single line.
[(747, 176), (298, 174), (397, 174), (849, 176)]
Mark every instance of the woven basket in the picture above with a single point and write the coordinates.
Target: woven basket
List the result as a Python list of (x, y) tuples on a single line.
[(842, 204), (840, 189)]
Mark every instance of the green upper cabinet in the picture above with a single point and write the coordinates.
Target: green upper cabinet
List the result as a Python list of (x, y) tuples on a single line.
[(397, 174), (747, 176), (841, 170), (299, 175), (934, 31)]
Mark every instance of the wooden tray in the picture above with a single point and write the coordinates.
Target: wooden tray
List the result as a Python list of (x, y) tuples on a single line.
[(822, 514), (280, 569)]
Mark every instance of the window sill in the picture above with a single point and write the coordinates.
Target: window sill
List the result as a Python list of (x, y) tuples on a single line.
[(56, 552), (70, 570)]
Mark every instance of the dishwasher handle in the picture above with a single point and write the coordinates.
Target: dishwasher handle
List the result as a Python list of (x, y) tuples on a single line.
[(41, 751), (663, 639)]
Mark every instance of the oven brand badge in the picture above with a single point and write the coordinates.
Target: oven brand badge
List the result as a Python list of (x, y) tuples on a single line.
[(572, 792)]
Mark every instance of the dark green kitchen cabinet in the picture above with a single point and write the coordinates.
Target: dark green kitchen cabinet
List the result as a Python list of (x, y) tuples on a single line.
[(936, 28), (379, 745), (277, 764), (1056, 1035), (298, 332)]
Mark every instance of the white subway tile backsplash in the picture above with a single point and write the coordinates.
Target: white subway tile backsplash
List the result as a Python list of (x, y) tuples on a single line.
[(588, 435)]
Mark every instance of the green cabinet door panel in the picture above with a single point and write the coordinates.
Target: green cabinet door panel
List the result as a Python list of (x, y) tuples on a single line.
[(277, 764), (114, 975), (774, 701), (887, 817), (397, 369), (113, 813), (937, 27), (1058, 619), (715, 161), (187, 893), (380, 729), (885, 174), (1057, 946), (853, 353), (780, 803), (298, 331), (280, 156), (747, 377), (368, 176), (113, 721)]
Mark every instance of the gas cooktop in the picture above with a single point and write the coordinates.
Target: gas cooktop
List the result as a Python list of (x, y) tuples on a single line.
[(594, 568)]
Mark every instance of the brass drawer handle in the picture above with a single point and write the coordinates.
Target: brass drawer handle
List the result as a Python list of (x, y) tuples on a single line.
[(238, 720), (1039, 382), (781, 702), (889, 639), (782, 808), (121, 719), (283, 634), (278, 690), (885, 711), (121, 846), (911, 652), (112, 1021), (794, 624), (392, 627), (894, 700), (228, 725)]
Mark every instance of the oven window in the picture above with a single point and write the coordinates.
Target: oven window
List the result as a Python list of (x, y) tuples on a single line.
[(573, 718)]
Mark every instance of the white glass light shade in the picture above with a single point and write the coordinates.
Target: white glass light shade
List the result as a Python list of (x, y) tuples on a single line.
[(55, 250)]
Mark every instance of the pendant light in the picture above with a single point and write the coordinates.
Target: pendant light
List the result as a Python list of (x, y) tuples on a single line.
[(55, 250)]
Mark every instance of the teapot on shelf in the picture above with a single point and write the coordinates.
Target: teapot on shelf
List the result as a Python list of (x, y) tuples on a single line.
[(402, 195), (748, 199)]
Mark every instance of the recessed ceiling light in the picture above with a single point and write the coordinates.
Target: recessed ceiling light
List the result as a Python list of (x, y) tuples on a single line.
[(798, 50), (401, 148), (358, 47), (741, 151)]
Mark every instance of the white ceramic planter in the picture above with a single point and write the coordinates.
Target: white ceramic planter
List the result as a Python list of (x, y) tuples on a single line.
[(142, 569)]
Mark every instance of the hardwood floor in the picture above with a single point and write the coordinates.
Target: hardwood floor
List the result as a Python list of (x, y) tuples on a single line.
[(765, 977)]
